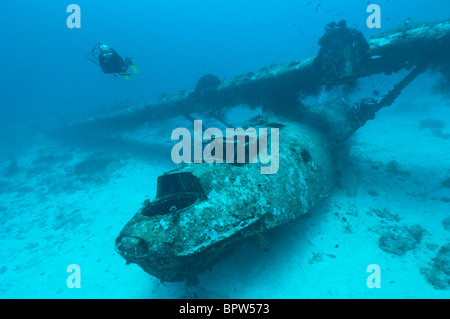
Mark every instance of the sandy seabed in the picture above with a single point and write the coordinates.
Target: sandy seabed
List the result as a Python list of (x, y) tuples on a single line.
[(56, 212)]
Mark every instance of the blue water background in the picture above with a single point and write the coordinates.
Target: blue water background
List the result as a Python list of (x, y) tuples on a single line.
[(46, 79)]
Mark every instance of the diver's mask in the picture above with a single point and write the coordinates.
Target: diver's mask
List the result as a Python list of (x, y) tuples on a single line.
[(107, 55)]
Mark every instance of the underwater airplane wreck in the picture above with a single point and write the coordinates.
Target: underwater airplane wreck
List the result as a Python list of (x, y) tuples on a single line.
[(202, 211)]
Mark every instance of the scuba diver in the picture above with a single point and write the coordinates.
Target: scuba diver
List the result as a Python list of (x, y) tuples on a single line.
[(111, 62)]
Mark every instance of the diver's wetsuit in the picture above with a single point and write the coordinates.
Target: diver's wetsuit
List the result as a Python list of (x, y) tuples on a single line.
[(113, 64)]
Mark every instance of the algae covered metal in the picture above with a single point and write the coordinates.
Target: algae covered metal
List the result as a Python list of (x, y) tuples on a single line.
[(210, 208)]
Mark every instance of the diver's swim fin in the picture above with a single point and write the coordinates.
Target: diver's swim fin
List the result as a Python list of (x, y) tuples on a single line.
[(134, 68), (126, 76)]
